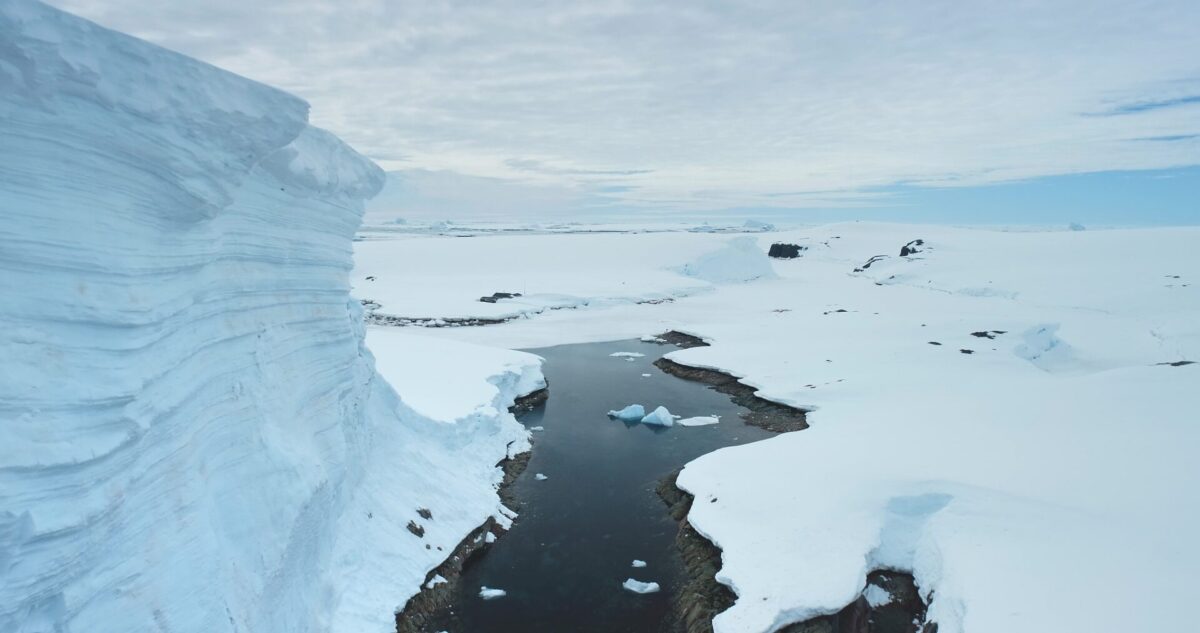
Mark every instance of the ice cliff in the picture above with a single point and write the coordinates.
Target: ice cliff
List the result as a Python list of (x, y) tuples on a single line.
[(192, 434)]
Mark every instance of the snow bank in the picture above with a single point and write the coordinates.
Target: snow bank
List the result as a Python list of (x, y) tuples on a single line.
[(193, 435), (740, 260)]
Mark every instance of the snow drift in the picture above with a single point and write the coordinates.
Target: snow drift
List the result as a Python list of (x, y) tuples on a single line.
[(192, 434)]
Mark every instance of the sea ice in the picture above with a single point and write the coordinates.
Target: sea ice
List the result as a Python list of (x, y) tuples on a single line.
[(631, 413), (639, 563), (540, 477), (700, 420), (488, 593), (630, 355), (637, 586), (659, 417)]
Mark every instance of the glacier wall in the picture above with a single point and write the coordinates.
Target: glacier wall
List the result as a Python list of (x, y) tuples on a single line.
[(192, 434)]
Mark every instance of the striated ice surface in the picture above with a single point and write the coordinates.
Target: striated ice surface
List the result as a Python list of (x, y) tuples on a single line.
[(192, 435)]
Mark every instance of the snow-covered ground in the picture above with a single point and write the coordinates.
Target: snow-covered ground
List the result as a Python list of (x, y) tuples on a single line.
[(193, 436), (992, 412)]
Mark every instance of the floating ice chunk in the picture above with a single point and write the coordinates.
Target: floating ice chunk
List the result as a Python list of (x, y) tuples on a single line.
[(637, 586), (700, 420), (540, 477), (627, 354), (537, 428), (645, 375), (631, 413), (659, 417), (877, 596), (435, 581), (489, 538), (639, 563), (488, 593)]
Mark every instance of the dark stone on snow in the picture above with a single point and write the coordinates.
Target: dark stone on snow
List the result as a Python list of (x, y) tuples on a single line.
[(416, 529), (869, 262), (496, 296), (1179, 363), (780, 250), (911, 248), (425, 513), (967, 351), (680, 340), (934, 343), (988, 334)]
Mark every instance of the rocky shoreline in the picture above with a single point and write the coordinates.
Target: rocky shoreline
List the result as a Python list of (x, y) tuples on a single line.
[(702, 597), (427, 611), (763, 413)]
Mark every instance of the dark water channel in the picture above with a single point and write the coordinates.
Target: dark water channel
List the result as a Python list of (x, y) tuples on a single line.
[(579, 530)]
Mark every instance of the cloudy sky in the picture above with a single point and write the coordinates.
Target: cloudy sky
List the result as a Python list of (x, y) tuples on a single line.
[(590, 108)]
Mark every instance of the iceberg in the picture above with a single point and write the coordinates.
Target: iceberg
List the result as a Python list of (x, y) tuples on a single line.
[(637, 586), (659, 417), (488, 593), (631, 413), (700, 420)]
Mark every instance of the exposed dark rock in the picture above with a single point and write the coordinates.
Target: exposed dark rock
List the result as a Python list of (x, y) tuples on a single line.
[(680, 340), (989, 334), (772, 416), (1179, 363), (839, 310), (702, 597), (425, 513), (416, 529), (967, 351), (399, 321), (429, 609), (370, 278), (496, 296), (530, 401), (780, 250), (934, 343), (869, 262), (911, 248)]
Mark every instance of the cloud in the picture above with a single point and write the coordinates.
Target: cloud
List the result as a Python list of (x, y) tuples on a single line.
[(1146, 106), (705, 106)]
